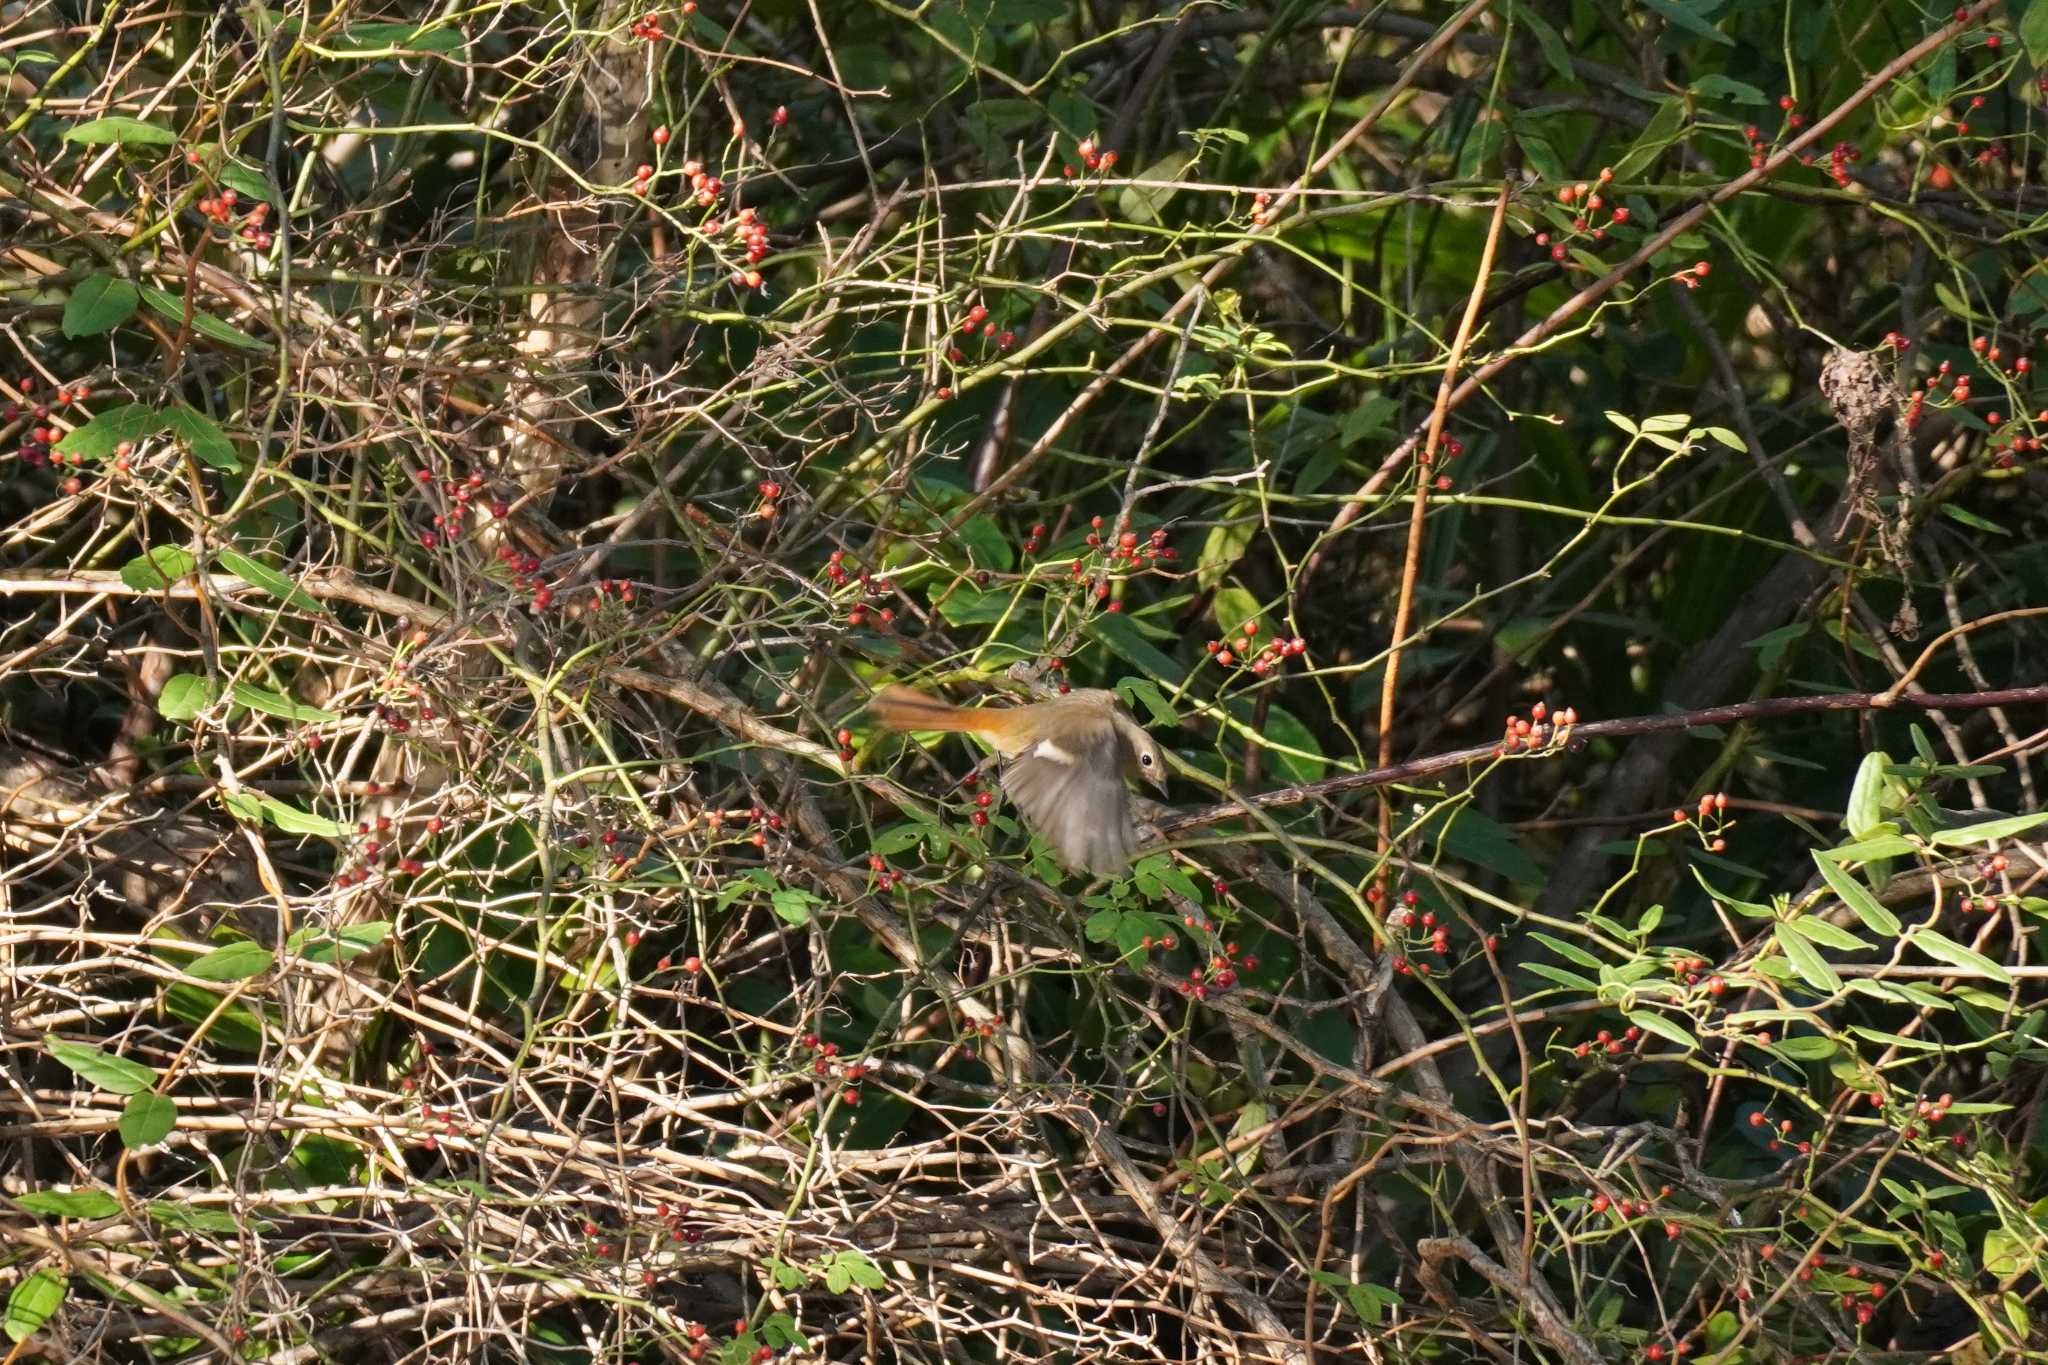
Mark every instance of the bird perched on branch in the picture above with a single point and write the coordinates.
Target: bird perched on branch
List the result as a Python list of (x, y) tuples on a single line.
[(1064, 765)]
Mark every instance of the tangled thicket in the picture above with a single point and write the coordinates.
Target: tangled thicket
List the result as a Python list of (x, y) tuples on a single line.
[(468, 471)]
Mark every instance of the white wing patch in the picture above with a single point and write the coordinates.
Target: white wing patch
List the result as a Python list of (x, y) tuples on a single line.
[(1048, 750)]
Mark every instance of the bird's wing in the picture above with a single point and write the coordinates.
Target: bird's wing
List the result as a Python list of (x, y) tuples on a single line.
[(1071, 792)]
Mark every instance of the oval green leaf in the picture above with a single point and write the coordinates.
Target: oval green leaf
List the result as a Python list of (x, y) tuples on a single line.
[(121, 132), (70, 1203), (101, 303), (158, 569), (1866, 907), (234, 962), (278, 704), (260, 575), (147, 1120), (39, 1295), (185, 695), (102, 1068), (203, 322), (203, 437), (1806, 960), (100, 437), (1945, 949)]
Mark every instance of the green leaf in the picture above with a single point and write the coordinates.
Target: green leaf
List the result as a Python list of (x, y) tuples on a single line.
[(1562, 977), (121, 132), (2004, 1254), (147, 1120), (35, 1299), (234, 962), (1868, 850), (260, 575), (1115, 630), (1144, 693), (1650, 1021), (359, 41), (2034, 33), (292, 820), (158, 569), (101, 303), (865, 1272), (1716, 86), (1662, 130), (322, 944), (1571, 952), (1807, 1047), (1690, 15), (237, 1027), (1146, 200), (71, 1203), (1224, 546), (1555, 50), (1232, 607), (203, 437), (1973, 521), (987, 546), (2016, 1314), (100, 437), (793, 905), (1946, 949), (185, 695), (277, 704), (176, 1215), (203, 322), (1866, 907), (786, 1275), (1866, 795), (1990, 831), (1814, 929), (115, 1074), (1806, 960)]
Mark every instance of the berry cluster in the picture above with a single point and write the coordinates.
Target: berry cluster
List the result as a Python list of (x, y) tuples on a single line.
[(220, 208), (749, 225), (980, 800), (704, 187), (858, 613), (1606, 1042), (1537, 730), (883, 876), (1586, 203), (1422, 932), (648, 26), (1691, 276), (525, 570), (374, 853), (1713, 820), (976, 321), (38, 442), (1260, 203), (1220, 972), (1982, 897), (1239, 651), (769, 491), (462, 495), (1126, 554), (1091, 157)]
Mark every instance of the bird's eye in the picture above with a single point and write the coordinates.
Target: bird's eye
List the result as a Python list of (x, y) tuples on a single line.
[(1145, 759)]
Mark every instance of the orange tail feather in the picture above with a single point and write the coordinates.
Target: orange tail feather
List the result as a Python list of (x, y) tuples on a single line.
[(902, 708)]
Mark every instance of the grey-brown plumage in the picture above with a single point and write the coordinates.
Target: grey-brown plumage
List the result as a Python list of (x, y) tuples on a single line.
[(1065, 762)]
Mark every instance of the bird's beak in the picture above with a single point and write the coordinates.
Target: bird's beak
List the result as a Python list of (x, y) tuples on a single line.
[(1158, 780)]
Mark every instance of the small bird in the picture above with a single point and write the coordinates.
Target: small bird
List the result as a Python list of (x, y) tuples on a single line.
[(1065, 762)]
